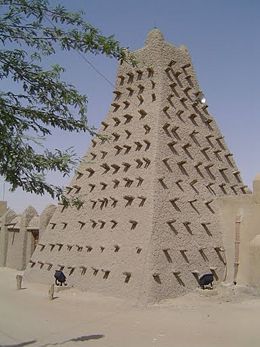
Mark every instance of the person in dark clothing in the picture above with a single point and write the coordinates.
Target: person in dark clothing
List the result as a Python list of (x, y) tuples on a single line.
[(60, 278)]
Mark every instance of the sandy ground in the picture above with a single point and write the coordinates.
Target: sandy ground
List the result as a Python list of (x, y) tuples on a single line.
[(226, 316)]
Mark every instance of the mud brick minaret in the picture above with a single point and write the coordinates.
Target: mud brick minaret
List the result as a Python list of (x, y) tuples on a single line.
[(149, 223)]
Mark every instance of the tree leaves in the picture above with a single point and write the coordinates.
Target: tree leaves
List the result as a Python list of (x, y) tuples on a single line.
[(29, 31)]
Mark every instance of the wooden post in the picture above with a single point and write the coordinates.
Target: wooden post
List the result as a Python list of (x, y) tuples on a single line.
[(237, 244), (51, 292), (19, 279)]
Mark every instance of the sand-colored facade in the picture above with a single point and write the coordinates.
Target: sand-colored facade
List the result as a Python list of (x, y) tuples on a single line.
[(19, 234), (240, 225), (149, 223)]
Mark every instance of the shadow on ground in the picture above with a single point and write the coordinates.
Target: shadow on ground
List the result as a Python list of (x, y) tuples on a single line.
[(21, 344), (75, 339)]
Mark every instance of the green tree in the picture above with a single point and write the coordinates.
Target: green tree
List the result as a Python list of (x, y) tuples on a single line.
[(32, 30)]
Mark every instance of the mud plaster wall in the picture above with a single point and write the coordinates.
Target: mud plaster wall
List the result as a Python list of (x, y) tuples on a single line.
[(16, 240), (193, 166), (242, 212), (3, 233), (3, 208), (149, 185)]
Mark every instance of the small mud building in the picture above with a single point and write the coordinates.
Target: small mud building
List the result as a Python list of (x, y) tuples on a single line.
[(19, 234)]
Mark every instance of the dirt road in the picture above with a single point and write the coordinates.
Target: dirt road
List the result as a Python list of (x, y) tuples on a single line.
[(222, 317)]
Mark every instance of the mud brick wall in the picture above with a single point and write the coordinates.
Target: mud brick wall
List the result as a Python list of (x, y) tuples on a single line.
[(17, 239), (148, 224)]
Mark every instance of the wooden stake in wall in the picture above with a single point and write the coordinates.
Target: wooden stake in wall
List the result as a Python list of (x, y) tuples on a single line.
[(237, 243)]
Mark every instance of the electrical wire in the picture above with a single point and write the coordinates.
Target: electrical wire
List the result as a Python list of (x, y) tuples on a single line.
[(94, 68), (86, 60)]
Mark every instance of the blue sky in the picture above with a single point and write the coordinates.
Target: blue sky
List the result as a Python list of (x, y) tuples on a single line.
[(223, 39)]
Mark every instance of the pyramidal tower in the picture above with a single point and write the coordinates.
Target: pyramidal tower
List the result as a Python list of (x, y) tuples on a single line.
[(149, 223)]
